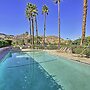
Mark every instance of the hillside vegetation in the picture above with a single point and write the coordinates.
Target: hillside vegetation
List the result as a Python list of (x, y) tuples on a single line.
[(4, 43)]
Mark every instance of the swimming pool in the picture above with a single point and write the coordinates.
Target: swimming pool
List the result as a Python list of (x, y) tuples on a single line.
[(42, 71)]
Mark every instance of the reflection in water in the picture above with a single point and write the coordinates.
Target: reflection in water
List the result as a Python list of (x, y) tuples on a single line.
[(24, 73)]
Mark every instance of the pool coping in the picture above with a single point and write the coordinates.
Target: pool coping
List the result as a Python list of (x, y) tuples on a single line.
[(4, 53)]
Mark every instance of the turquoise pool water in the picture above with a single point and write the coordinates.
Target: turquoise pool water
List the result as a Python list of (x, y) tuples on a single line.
[(21, 72), (41, 71)]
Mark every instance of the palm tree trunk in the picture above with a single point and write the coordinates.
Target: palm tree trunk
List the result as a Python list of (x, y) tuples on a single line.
[(44, 29), (36, 29), (32, 33), (84, 22), (30, 28), (30, 25), (59, 23)]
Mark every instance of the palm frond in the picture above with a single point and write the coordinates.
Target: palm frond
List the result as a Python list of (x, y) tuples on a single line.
[(45, 9), (56, 1), (31, 10)]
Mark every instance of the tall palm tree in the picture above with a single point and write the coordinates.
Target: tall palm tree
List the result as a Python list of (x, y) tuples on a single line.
[(84, 22), (35, 12), (28, 15), (31, 10), (32, 32), (35, 17), (36, 29), (58, 2), (45, 13)]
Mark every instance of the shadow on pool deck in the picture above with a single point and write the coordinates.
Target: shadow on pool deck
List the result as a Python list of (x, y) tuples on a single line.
[(28, 76)]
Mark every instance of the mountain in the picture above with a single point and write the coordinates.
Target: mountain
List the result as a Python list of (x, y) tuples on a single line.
[(2, 36), (26, 37), (5, 36), (54, 40)]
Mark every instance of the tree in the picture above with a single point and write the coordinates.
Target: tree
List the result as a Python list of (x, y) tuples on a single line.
[(31, 10), (34, 13), (36, 29), (58, 2), (45, 13), (84, 22), (26, 33), (29, 14), (35, 17)]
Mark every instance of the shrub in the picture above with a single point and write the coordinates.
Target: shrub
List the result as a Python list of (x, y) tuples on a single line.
[(87, 52), (4, 43), (77, 50)]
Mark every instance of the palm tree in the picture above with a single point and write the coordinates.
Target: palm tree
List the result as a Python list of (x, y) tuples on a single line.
[(32, 32), (84, 22), (58, 2), (45, 13), (35, 15), (36, 29), (31, 10), (29, 15), (35, 12)]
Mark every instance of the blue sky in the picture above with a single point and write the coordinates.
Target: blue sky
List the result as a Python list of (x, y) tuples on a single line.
[(13, 19)]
